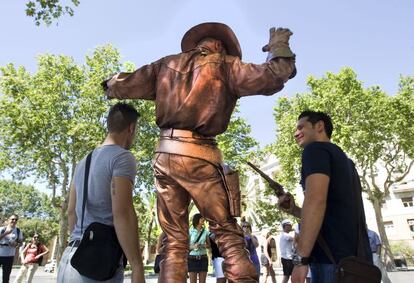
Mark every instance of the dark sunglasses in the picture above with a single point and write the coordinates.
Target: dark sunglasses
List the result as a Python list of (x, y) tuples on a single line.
[(13, 219)]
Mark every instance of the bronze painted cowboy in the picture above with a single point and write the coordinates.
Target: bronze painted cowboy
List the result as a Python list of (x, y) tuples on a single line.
[(195, 93)]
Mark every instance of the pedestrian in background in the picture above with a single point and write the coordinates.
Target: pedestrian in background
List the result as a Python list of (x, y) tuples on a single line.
[(251, 243), (286, 249), (197, 259), (10, 238), (31, 256), (266, 259)]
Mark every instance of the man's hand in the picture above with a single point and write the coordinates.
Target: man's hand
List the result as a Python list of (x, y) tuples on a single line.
[(299, 273)]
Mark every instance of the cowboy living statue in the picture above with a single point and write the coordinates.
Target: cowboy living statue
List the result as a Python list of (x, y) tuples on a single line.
[(195, 93)]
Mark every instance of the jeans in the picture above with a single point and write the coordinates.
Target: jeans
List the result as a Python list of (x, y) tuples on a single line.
[(68, 274), (323, 272), (6, 262)]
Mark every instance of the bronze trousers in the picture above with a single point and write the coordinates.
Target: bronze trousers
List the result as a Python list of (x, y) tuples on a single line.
[(178, 180)]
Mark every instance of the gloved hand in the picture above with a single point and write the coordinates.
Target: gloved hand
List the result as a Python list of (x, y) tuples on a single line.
[(286, 203), (104, 84), (278, 44)]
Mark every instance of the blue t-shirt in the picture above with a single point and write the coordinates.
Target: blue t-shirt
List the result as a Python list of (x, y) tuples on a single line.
[(339, 227), (374, 240)]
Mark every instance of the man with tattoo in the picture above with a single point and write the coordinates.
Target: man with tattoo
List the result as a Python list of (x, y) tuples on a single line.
[(111, 182)]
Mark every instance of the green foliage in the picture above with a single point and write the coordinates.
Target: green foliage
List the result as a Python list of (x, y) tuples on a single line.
[(35, 210), (368, 125), (46, 228), (47, 11), (236, 143), (374, 129), (54, 117), (405, 249), (25, 201)]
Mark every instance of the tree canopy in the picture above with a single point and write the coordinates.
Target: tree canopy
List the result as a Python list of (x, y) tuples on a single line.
[(55, 116), (373, 128), (46, 11)]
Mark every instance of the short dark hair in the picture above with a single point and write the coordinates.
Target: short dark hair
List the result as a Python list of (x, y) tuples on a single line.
[(316, 116), (196, 219), (120, 116)]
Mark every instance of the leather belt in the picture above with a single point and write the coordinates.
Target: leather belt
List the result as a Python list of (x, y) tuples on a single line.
[(200, 151), (74, 243), (177, 133)]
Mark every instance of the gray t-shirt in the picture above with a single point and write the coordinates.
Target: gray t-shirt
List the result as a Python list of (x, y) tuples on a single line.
[(5, 248), (107, 161)]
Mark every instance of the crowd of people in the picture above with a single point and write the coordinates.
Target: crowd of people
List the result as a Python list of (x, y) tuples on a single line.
[(30, 253)]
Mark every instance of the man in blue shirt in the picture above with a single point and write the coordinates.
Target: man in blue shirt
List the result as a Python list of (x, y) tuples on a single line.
[(375, 245)]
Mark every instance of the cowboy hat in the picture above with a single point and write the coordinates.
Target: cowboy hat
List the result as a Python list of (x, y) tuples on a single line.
[(218, 31)]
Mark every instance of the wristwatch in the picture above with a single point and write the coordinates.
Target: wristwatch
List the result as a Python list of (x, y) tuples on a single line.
[(299, 260)]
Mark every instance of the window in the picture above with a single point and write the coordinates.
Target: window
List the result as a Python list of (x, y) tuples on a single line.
[(389, 227), (411, 224), (407, 201), (384, 204)]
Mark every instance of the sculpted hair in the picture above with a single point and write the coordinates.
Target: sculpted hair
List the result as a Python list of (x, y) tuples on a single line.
[(196, 219), (120, 116), (316, 116)]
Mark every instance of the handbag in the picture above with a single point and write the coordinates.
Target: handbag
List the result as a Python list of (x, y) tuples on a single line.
[(354, 269), (157, 262), (99, 253)]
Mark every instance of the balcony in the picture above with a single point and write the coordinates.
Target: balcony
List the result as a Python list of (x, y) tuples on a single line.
[(404, 187)]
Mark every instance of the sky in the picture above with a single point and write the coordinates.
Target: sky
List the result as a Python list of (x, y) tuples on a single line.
[(373, 37)]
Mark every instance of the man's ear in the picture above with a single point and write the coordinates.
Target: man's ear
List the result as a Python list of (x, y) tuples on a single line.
[(320, 126), (131, 128)]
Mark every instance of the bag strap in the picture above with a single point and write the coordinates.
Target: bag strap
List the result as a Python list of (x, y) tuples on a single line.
[(85, 187), (199, 236), (356, 191)]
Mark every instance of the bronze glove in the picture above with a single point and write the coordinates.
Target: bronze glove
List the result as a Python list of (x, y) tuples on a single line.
[(278, 45)]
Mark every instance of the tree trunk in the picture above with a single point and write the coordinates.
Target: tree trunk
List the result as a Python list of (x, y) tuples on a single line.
[(387, 258), (63, 232), (148, 240), (63, 222)]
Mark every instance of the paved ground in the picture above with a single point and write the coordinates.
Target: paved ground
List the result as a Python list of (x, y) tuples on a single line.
[(44, 277)]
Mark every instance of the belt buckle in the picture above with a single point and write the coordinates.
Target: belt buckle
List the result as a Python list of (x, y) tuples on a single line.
[(198, 257)]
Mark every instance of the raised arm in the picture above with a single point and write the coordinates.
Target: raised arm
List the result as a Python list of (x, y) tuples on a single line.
[(137, 85)]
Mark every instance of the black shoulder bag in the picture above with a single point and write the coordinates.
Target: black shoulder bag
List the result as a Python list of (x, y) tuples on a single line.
[(354, 269), (99, 253)]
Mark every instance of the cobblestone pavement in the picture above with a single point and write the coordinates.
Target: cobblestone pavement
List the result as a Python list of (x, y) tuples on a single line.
[(44, 277)]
